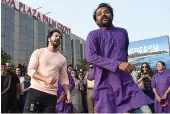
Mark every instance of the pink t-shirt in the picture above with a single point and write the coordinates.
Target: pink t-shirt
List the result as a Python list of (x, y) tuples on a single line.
[(47, 63)]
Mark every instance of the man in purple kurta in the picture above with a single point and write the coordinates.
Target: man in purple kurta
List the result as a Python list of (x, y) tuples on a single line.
[(106, 48), (62, 106), (161, 88)]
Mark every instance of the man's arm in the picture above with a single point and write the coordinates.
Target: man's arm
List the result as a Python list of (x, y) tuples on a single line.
[(9, 84), (65, 81), (33, 64), (64, 77), (93, 57)]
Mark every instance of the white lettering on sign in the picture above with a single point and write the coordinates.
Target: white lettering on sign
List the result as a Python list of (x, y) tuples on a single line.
[(33, 12), (144, 49)]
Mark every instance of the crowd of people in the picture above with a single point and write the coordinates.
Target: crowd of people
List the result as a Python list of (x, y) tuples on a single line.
[(14, 87), (109, 85), (156, 86)]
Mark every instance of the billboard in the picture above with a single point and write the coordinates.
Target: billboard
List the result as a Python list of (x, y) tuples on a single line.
[(151, 51), (158, 45)]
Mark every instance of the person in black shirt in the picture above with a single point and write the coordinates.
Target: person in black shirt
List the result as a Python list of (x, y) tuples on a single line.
[(5, 86), (14, 91), (146, 78)]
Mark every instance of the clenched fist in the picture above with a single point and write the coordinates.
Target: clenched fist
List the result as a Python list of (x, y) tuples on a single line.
[(125, 66)]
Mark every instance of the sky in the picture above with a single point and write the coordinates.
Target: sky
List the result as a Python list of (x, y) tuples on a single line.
[(142, 19)]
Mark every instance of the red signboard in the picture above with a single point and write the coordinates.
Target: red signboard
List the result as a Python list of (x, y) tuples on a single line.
[(33, 12)]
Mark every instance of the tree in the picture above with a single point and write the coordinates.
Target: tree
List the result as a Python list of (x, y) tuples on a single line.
[(82, 65), (5, 57)]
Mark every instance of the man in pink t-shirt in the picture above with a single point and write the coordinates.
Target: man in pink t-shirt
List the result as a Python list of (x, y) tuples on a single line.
[(45, 67)]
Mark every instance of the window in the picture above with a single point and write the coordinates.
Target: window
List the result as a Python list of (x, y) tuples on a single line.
[(11, 26), (41, 44), (41, 37), (23, 22), (2, 30), (7, 49), (16, 45), (11, 35), (2, 21), (23, 30), (23, 38), (2, 40), (30, 33), (30, 42), (7, 42), (7, 23), (41, 27), (22, 46), (16, 54), (22, 55), (11, 43), (12, 53)]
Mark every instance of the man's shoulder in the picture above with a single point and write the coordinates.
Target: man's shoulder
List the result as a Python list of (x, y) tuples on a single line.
[(121, 29), (62, 56), (39, 49), (94, 32)]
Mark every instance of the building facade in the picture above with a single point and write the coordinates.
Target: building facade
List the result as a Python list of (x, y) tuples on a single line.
[(24, 30)]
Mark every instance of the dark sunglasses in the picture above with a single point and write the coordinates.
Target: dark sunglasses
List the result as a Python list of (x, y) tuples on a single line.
[(144, 67)]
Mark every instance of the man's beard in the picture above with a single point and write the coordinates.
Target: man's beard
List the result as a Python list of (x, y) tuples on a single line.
[(108, 24), (55, 45)]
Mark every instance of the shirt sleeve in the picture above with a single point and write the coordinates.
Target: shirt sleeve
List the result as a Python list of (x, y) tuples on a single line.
[(92, 56), (33, 63), (63, 74)]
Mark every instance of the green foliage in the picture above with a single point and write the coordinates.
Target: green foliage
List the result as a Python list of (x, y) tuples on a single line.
[(82, 65), (5, 57)]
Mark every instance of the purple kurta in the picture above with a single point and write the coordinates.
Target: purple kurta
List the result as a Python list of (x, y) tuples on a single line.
[(62, 106), (114, 90), (161, 82)]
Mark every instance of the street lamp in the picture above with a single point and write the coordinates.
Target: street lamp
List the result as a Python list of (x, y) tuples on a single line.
[(38, 8), (47, 13)]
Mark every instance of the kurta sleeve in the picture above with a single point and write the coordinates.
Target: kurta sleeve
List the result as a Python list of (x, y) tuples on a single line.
[(92, 56), (168, 79), (153, 82)]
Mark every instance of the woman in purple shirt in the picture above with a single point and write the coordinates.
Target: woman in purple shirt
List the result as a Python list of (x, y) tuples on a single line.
[(161, 88)]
